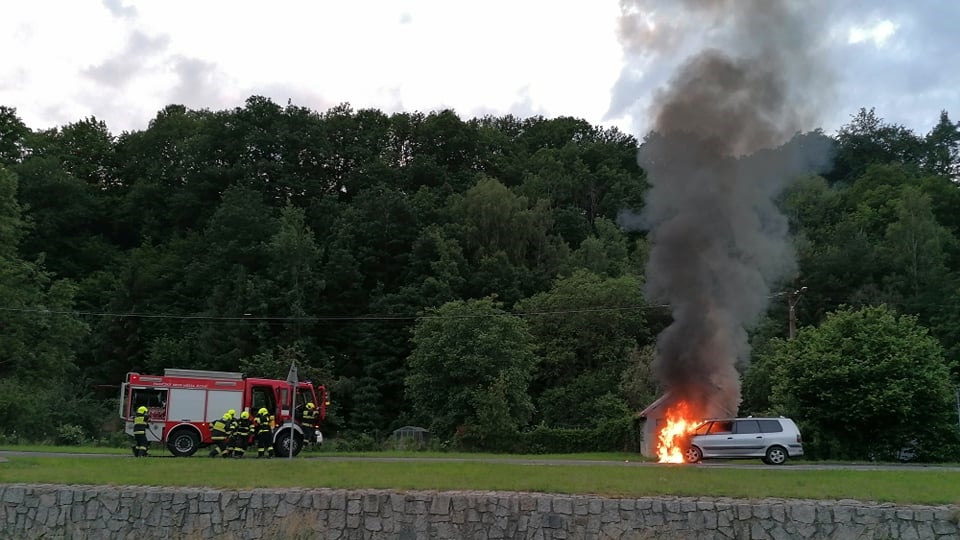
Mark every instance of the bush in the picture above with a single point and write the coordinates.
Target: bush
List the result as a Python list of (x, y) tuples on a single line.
[(612, 435), (70, 435), (115, 439), (616, 435), (360, 442)]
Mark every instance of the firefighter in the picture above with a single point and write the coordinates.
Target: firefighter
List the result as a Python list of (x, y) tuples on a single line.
[(309, 422), (241, 434), (231, 430), (140, 443), (218, 434), (264, 433)]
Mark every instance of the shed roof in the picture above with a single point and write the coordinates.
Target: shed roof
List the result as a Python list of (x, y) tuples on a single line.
[(654, 406)]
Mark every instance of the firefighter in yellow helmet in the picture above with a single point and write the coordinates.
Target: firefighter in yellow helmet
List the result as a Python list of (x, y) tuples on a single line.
[(308, 421), (231, 429), (241, 434), (140, 443), (263, 433), (219, 435)]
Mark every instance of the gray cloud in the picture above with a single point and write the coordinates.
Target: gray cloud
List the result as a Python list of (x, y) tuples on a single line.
[(201, 85), (198, 84), (522, 107), (117, 71), (913, 76), (117, 8)]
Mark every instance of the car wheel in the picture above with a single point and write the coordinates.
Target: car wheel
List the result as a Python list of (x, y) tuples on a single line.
[(692, 454), (776, 455), (183, 443)]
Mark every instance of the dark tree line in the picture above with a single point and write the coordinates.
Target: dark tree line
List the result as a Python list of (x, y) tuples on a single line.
[(365, 245)]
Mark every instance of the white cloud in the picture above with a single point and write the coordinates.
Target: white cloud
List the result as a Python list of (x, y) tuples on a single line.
[(879, 33)]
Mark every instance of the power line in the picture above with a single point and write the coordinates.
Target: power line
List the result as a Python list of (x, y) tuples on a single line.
[(281, 319), (320, 318)]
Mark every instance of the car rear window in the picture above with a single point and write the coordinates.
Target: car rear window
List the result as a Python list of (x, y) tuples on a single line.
[(770, 426), (747, 426)]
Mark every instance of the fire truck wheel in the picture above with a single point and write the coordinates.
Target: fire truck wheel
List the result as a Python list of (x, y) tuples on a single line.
[(692, 454), (183, 442), (282, 444)]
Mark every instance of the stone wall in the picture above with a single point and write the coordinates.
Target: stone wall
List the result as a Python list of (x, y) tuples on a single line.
[(102, 512)]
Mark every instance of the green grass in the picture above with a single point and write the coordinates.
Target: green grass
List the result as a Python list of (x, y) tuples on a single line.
[(65, 449), (905, 486), (159, 450), (596, 456)]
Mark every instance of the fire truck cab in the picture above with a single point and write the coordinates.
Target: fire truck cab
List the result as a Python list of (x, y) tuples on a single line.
[(182, 403)]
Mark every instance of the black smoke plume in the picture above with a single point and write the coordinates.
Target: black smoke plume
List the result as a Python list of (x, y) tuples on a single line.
[(724, 143)]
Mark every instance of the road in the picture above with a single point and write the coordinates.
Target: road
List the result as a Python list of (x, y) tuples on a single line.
[(533, 460)]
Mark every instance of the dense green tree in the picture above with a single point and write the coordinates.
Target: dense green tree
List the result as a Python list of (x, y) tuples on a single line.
[(13, 137), (869, 140), (149, 280), (158, 164), (40, 333), (916, 246), (943, 148), (491, 219), (470, 370), (585, 327), (638, 386), (86, 148), (292, 270), (605, 253), (864, 384), (585, 322)]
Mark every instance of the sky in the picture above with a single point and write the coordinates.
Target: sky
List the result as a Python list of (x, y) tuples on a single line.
[(121, 61)]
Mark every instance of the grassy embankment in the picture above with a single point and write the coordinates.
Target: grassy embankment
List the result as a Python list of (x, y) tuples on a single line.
[(919, 486)]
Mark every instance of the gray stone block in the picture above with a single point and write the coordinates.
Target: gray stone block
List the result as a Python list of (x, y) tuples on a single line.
[(594, 506), (563, 505), (440, 505), (14, 495)]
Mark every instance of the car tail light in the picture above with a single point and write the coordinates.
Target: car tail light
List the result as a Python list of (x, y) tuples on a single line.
[(798, 439)]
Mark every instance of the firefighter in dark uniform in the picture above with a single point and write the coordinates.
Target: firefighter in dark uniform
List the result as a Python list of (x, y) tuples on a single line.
[(231, 429), (140, 443), (309, 422), (264, 434), (241, 434), (218, 434)]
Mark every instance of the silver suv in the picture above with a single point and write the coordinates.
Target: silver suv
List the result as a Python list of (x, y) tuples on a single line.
[(771, 439)]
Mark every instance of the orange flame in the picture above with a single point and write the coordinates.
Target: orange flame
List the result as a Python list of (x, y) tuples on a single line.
[(679, 422)]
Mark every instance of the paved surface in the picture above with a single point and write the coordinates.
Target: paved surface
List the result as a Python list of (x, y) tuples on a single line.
[(533, 460)]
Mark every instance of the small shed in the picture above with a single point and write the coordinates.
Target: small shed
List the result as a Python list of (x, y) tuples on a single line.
[(412, 434), (652, 418)]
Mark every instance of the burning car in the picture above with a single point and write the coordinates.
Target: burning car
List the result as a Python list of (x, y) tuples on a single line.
[(773, 440)]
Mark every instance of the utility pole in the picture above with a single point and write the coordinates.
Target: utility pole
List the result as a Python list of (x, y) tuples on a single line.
[(792, 300)]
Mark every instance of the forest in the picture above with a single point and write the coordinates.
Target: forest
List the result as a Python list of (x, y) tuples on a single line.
[(465, 275)]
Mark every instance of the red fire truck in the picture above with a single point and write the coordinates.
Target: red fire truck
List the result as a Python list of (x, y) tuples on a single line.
[(183, 402)]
